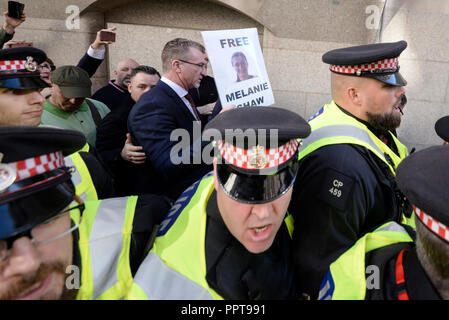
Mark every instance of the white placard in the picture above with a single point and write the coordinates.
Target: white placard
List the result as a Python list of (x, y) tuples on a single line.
[(239, 69)]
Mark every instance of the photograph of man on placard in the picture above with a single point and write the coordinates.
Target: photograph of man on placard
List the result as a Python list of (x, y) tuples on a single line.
[(240, 65)]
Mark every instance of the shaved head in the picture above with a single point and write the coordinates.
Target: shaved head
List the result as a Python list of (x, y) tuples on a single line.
[(123, 72)]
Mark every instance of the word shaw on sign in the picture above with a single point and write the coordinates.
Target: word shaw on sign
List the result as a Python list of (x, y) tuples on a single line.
[(239, 69)]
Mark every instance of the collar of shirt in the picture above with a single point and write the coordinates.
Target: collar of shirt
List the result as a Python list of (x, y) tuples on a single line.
[(181, 92), (111, 82), (61, 113)]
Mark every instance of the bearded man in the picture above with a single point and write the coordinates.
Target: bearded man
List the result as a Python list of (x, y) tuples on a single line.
[(346, 186)]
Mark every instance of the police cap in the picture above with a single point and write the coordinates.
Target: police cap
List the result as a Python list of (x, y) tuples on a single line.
[(257, 148), (34, 181), (19, 68), (423, 177), (378, 61), (442, 128)]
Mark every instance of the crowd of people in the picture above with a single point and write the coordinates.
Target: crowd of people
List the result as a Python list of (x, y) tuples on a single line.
[(335, 207)]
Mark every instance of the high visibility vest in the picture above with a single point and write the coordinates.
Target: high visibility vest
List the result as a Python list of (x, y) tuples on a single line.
[(166, 274), (81, 178), (332, 126), (104, 243), (346, 278)]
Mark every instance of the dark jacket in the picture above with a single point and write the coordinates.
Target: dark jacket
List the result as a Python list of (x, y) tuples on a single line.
[(327, 224), (100, 174), (89, 64), (417, 285), (111, 137), (152, 120), (112, 96), (206, 93)]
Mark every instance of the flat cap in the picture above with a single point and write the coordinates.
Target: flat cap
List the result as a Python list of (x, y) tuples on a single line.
[(73, 81), (34, 180), (442, 128), (259, 147), (19, 68), (378, 61), (423, 177)]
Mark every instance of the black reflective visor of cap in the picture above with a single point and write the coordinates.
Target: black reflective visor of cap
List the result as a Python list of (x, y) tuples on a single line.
[(20, 214), (394, 79), (254, 189), (24, 83)]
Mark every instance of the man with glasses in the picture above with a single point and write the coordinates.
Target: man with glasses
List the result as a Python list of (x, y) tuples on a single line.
[(52, 249), (169, 107), (228, 235)]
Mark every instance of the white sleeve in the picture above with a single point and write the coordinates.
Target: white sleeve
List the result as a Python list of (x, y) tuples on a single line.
[(97, 54)]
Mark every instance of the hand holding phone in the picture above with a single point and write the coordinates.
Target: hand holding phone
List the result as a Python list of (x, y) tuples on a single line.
[(107, 36)]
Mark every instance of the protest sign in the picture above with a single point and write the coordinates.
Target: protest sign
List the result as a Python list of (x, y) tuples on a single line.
[(238, 65)]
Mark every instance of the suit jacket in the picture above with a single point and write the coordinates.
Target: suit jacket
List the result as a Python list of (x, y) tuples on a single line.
[(111, 136), (89, 64), (152, 120)]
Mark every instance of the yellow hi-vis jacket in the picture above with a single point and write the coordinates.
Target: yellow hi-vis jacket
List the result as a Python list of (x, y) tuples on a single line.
[(104, 243), (81, 178), (175, 267), (346, 278), (331, 126)]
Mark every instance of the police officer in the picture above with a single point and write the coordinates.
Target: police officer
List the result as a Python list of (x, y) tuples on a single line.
[(442, 128), (21, 104), (387, 264), (347, 165), (227, 235), (50, 249)]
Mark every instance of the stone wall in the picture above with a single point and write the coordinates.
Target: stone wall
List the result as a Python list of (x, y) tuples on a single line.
[(425, 65), (293, 34)]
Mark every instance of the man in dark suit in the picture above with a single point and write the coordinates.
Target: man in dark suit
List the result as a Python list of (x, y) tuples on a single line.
[(165, 121), (125, 160)]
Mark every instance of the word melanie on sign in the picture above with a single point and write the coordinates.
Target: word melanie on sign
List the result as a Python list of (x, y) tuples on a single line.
[(247, 92)]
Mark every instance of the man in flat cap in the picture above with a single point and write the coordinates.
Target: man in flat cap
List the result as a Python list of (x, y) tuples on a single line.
[(392, 263), (346, 185), (68, 106), (227, 236), (52, 249), (21, 104)]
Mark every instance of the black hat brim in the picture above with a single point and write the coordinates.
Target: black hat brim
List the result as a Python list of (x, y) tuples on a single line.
[(394, 79), (30, 207), (255, 189), (24, 83), (23, 142)]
